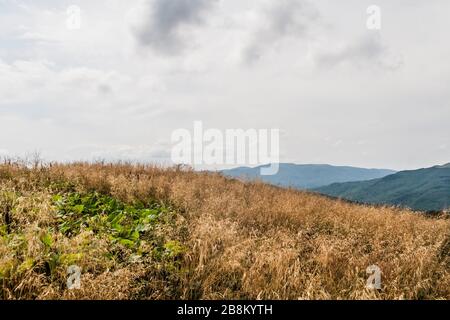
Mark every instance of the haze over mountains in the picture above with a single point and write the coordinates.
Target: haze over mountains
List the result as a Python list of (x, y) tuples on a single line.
[(423, 189), (308, 176)]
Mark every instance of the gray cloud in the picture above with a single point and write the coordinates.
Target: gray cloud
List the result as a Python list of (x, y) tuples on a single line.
[(163, 21), (285, 18), (367, 50)]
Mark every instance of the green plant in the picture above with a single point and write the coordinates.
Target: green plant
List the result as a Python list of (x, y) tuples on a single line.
[(104, 215)]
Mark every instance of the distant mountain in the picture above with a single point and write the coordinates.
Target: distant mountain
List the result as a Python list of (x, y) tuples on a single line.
[(308, 176), (424, 189)]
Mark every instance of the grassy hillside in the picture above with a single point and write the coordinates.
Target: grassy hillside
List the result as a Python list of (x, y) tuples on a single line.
[(423, 189), (308, 176), (140, 232)]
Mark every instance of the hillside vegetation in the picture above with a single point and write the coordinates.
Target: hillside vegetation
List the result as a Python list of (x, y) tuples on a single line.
[(424, 189), (142, 232)]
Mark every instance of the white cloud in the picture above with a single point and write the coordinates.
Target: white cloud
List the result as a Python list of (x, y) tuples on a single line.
[(315, 72), (158, 153), (38, 37), (4, 152), (367, 50)]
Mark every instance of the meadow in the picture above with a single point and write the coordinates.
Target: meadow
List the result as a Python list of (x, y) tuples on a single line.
[(144, 232)]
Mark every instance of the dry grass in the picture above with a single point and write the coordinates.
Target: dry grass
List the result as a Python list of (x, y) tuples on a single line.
[(242, 240)]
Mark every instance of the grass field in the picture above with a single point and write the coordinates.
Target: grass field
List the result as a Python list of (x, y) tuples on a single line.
[(143, 232)]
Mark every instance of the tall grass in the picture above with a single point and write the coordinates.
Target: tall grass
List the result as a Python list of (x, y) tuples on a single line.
[(223, 239)]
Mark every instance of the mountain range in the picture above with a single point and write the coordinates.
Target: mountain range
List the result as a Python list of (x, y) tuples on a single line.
[(308, 176), (426, 189), (423, 189)]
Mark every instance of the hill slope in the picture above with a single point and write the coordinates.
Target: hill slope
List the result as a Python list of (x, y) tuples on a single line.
[(424, 189), (141, 232), (308, 176)]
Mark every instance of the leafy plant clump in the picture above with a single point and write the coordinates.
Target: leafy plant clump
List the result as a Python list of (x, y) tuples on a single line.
[(103, 214), (102, 235)]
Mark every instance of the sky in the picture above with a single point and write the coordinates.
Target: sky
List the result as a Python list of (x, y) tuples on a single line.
[(135, 71)]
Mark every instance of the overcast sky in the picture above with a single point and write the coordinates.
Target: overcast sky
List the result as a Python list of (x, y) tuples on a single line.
[(135, 71)]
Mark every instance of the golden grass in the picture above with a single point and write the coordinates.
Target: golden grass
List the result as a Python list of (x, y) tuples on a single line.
[(243, 240)]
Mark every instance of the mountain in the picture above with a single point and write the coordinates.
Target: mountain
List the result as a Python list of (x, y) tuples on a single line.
[(424, 189), (308, 176)]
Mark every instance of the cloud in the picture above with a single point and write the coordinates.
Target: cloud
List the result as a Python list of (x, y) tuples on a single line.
[(277, 21), (162, 24), (91, 86), (38, 37), (156, 153), (367, 50), (74, 94), (4, 152)]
